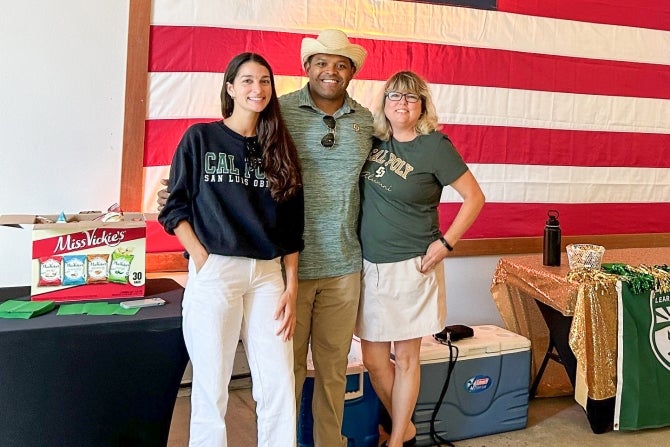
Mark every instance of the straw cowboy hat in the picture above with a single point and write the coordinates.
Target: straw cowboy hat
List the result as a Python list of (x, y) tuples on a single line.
[(333, 41)]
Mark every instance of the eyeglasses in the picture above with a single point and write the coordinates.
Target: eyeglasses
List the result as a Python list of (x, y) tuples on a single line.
[(397, 96), (328, 139), (253, 157)]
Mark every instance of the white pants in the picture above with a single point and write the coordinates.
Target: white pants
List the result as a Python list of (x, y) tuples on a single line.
[(230, 296)]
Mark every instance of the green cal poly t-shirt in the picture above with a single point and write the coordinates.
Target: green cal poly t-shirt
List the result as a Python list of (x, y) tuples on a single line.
[(401, 186)]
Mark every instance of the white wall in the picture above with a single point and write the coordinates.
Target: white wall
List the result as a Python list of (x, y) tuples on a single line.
[(469, 299), (62, 92), (62, 87)]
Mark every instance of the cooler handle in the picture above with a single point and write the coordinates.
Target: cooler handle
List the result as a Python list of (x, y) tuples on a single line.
[(351, 395)]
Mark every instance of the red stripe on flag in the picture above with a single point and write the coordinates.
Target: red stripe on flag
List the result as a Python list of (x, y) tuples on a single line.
[(212, 49), (159, 241), (489, 144), (500, 220), (161, 138), (207, 49), (556, 147), (652, 14)]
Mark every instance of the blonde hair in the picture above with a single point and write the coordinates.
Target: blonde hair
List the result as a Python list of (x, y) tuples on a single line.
[(408, 82)]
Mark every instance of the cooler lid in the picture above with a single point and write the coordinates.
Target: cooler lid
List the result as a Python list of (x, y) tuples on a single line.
[(488, 340)]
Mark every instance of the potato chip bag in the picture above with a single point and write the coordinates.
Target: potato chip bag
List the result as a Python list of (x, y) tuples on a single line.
[(50, 271), (74, 270), (119, 269), (97, 269)]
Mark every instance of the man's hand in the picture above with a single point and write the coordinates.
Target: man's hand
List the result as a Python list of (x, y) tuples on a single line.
[(162, 195)]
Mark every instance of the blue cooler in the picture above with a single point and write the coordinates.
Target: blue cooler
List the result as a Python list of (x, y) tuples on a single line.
[(488, 389), (361, 405)]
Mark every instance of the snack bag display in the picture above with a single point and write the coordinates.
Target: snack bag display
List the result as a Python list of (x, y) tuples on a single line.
[(86, 256)]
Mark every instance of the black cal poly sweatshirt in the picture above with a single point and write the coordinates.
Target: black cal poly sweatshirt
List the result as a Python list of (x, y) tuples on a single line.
[(229, 205)]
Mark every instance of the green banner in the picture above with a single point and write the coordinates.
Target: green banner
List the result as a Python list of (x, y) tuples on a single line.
[(643, 363)]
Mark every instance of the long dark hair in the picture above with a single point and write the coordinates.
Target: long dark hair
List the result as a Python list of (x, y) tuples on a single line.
[(280, 157)]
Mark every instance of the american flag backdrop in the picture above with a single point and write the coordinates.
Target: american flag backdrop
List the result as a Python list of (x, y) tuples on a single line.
[(553, 104)]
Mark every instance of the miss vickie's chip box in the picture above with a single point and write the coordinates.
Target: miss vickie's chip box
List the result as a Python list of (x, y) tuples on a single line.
[(85, 258)]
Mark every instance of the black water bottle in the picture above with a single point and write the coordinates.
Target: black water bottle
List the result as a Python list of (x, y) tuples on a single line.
[(551, 253)]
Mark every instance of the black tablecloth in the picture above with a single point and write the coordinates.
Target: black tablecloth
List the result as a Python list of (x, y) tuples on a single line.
[(91, 380)]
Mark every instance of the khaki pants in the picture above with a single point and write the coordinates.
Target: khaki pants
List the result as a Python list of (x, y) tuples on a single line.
[(326, 315)]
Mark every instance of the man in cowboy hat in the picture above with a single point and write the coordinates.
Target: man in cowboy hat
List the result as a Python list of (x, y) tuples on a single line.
[(333, 135)]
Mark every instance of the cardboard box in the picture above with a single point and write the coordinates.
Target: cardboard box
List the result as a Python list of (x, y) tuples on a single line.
[(85, 258)]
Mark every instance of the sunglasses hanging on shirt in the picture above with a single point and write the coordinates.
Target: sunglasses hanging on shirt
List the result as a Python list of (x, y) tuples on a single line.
[(328, 139)]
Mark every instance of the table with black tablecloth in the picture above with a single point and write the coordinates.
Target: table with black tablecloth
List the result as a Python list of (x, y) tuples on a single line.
[(83, 380)]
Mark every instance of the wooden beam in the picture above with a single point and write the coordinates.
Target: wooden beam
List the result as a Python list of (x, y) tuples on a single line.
[(135, 107), (166, 262), (507, 246)]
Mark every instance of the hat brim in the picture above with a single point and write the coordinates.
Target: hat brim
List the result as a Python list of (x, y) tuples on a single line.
[(311, 46)]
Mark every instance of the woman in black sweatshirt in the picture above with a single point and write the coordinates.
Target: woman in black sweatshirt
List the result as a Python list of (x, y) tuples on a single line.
[(236, 205)]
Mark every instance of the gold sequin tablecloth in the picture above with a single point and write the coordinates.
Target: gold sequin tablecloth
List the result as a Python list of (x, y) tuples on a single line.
[(519, 281)]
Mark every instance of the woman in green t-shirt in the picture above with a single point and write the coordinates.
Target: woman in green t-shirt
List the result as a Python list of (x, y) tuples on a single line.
[(402, 288)]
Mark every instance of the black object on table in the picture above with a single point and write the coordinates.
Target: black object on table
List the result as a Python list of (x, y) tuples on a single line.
[(96, 381)]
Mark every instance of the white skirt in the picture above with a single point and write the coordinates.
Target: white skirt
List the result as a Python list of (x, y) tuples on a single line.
[(398, 302)]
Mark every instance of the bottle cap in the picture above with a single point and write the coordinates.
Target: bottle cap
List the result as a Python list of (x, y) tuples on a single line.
[(553, 218)]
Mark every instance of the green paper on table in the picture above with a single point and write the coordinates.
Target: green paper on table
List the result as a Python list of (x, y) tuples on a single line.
[(25, 309), (102, 308)]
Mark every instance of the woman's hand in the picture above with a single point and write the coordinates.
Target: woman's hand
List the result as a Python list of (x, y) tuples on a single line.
[(286, 312), (286, 307), (199, 258), (435, 253), (473, 201), (192, 245)]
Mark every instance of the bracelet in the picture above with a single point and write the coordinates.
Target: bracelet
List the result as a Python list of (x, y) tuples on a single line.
[(446, 244)]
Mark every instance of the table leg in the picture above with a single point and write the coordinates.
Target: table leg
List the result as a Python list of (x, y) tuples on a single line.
[(559, 334), (549, 355)]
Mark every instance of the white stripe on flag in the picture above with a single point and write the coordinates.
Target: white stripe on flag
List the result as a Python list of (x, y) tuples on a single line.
[(568, 184), (527, 184), (195, 95), (152, 177), (418, 22)]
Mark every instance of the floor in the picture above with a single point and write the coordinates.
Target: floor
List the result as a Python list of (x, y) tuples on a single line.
[(552, 422)]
